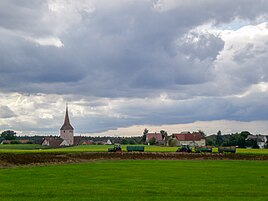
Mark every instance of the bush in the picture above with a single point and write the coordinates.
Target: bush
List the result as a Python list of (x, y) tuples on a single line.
[(15, 142), (131, 141), (172, 142), (152, 141)]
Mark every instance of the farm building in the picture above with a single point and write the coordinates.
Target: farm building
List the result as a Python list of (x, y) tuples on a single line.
[(261, 140), (87, 142), (192, 139), (157, 136), (108, 142), (53, 141), (18, 141)]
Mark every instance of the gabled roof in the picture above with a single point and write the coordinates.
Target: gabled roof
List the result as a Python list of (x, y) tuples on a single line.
[(157, 136), (258, 138), (195, 136), (66, 125), (53, 141)]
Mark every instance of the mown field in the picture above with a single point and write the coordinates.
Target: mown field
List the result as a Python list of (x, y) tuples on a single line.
[(137, 180), (33, 148)]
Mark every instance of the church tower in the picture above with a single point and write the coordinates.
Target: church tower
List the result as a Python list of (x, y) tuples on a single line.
[(67, 131)]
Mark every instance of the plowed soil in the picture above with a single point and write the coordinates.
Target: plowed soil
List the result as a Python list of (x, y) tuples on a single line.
[(10, 160)]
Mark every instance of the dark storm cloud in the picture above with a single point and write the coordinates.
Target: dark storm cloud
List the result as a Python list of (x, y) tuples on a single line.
[(134, 49), (124, 47)]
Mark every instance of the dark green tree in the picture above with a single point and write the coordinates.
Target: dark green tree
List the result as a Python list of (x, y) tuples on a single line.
[(132, 141), (124, 141), (144, 135), (163, 133), (152, 141), (202, 133), (9, 135), (219, 139)]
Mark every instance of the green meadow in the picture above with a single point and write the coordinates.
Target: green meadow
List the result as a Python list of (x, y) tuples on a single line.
[(33, 148), (137, 180)]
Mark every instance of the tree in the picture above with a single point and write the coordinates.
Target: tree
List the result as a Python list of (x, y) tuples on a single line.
[(163, 133), (202, 133), (152, 141), (219, 139), (9, 135), (144, 135), (124, 141), (132, 141), (172, 142)]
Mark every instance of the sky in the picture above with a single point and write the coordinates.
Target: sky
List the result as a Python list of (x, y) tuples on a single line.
[(126, 65)]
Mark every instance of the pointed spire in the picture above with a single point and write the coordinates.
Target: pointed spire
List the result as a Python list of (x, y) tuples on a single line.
[(67, 125)]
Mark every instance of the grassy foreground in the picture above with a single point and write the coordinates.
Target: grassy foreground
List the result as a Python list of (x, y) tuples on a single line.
[(138, 180)]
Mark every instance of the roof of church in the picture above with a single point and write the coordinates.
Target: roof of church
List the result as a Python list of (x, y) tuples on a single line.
[(66, 125)]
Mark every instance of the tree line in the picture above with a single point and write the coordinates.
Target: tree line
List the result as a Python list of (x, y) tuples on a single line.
[(233, 139)]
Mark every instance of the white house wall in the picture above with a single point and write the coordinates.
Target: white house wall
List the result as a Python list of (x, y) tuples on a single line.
[(201, 142)]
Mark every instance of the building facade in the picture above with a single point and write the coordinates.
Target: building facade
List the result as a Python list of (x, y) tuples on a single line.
[(191, 139)]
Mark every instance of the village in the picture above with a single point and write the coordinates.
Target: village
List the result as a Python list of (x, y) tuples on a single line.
[(192, 139)]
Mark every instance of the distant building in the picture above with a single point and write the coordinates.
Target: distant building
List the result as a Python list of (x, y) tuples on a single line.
[(18, 141), (191, 139), (87, 142), (66, 138), (53, 141), (260, 139), (157, 136), (108, 142)]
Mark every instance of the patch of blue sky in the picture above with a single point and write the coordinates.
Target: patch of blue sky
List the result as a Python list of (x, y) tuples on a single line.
[(234, 25)]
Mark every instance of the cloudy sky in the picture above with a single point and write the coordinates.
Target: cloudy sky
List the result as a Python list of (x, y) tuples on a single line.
[(123, 65)]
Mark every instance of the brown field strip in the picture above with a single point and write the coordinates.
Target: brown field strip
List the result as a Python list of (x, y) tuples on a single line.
[(11, 159)]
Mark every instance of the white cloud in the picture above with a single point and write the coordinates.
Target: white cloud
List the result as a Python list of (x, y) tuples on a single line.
[(49, 41)]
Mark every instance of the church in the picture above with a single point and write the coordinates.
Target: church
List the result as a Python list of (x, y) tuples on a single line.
[(67, 131), (66, 137)]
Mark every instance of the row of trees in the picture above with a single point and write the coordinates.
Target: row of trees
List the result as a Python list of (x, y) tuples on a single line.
[(234, 139), (8, 135)]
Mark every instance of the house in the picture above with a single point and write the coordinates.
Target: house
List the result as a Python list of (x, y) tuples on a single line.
[(53, 141), (261, 140), (87, 142), (6, 142), (191, 139), (157, 136), (18, 141), (108, 142)]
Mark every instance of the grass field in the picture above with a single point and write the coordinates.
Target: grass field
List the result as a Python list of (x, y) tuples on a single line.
[(32, 148), (138, 180)]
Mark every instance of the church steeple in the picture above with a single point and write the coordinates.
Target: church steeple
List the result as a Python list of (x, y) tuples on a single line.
[(67, 125)]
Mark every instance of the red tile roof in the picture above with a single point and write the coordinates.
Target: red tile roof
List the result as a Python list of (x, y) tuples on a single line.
[(157, 136), (195, 136)]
